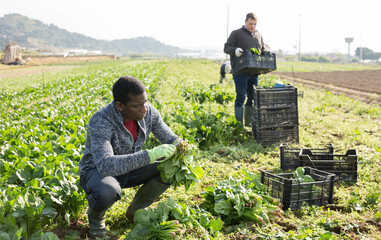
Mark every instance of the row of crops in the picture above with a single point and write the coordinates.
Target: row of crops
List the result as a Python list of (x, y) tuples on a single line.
[(43, 131)]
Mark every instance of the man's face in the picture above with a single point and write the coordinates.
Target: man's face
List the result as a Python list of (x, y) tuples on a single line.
[(251, 24), (134, 109)]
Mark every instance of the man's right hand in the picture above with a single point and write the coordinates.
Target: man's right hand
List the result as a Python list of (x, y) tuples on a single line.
[(239, 52), (162, 151)]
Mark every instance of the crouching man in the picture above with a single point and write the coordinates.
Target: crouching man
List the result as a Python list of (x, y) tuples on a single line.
[(225, 68), (113, 158)]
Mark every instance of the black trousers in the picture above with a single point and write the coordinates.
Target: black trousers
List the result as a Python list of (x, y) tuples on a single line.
[(103, 192)]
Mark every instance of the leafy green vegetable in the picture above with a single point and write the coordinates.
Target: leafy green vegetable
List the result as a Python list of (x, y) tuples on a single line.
[(254, 51), (378, 215), (235, 199), (301, 190), (201, 94), (299, 177), (43, 133), (169, 220), (180, 168)]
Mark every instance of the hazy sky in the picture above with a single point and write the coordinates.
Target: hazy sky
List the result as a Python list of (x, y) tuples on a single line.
[(198, 23)]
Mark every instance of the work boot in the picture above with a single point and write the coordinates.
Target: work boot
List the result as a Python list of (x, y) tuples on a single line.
[(145, 196), (238, 112), (97, 222), (249, 111)]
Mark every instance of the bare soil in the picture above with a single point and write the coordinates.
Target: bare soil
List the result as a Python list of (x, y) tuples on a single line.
[(71, 59), (365, 85), (33, 65), (78, 229)]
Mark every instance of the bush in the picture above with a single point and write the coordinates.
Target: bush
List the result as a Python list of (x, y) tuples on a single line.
[(323, 59)]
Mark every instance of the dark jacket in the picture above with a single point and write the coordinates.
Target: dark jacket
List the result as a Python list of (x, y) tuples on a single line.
[(110, 146), (242, 38)]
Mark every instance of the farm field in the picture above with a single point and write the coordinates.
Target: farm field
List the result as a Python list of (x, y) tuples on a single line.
[(43, 129), (18, 77), (365, 80), (361, 84)]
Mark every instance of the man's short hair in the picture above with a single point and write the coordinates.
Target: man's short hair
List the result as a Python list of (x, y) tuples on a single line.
[(251, 15), (125, 86)]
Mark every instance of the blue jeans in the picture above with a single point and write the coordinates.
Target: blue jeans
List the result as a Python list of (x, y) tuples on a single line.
[(244, 87), (103, 192)]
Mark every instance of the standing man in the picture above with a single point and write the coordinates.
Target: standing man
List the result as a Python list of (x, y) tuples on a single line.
[(113, 158), (240, 40)]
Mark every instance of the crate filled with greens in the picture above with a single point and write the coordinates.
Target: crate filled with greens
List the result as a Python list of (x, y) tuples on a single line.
[(344, 166), (253, 63), (289, 157), (303, 186)]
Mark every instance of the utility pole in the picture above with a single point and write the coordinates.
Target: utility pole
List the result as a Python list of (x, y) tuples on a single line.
[(227, 24), (360, 49), (227, 28), (300, 36)]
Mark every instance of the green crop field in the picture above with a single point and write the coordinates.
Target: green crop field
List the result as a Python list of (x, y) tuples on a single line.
[(43, 131)]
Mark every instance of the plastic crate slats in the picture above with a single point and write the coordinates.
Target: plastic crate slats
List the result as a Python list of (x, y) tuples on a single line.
[(289, 157), (275, 117), (269, 136), (250, 63), (275, 97), (293, 195), (344, 166)]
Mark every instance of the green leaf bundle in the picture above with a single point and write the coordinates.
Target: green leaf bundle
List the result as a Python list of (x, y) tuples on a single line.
[(235, 199), (170, 220), (180, 169), (300, 187)]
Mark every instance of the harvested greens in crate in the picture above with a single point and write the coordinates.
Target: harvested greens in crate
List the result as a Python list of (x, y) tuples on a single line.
[(304, 186)]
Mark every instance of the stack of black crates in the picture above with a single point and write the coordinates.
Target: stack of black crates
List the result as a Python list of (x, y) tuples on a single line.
[(275, 117)]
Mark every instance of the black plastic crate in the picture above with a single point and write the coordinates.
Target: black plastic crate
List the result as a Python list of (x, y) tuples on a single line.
[(289, 157), (344, 166), (275, 97), (275, 117), (254, 64), (294, 194), (275, 135)]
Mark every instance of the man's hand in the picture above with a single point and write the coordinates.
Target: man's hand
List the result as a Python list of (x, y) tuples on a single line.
[(239, 52), (161, 151)]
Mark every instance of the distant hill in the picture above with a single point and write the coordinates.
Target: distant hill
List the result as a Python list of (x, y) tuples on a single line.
[(31, 33)]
